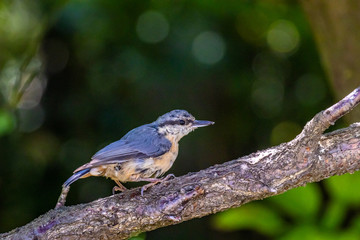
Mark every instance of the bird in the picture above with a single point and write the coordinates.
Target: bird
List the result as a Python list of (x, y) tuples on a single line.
[(143, 154)]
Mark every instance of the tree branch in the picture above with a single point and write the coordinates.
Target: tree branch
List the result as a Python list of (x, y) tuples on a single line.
[(311, 156)]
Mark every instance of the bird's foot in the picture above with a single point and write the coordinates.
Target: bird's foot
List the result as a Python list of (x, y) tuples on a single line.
[(168, 177), (119, 188), (154, 181)]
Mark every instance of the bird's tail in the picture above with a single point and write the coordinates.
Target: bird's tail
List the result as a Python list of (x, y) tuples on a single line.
[(76, 176)]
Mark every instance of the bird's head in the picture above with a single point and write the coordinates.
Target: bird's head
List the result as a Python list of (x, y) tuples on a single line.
[(179, 123)]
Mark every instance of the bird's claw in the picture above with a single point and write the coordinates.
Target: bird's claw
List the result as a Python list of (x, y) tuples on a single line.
[(145, 187), (168, 177), (119, 188)]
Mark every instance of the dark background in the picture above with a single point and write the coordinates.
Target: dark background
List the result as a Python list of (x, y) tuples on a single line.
[(77, 75)]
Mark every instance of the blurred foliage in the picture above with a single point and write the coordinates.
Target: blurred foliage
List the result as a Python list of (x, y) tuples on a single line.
[(77, 75), (300, 213), (141, 236)]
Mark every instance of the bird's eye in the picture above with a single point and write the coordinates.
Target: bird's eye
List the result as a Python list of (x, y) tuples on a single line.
[(182, 122)]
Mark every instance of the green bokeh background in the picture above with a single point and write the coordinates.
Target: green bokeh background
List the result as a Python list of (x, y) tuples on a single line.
[(77, 75)]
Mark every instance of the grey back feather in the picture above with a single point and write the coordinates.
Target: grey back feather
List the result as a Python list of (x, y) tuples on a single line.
[(141, 142)]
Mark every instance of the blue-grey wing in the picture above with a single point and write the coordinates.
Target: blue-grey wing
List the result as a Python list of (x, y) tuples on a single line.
[(141, 142)]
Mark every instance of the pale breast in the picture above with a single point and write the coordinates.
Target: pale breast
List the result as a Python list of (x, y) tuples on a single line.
[(165, 161)]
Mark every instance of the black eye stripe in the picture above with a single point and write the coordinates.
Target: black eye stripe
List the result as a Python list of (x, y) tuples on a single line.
[(175, 122)]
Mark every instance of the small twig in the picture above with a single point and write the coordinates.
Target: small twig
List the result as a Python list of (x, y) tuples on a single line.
[(324, 119), (62, 198)]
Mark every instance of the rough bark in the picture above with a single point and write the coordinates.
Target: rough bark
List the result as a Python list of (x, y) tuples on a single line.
[(311, 156), (335, 26)]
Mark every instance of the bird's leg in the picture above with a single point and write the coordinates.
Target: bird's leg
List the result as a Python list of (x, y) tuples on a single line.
[(169, 176), (119, 187), (153, 181)]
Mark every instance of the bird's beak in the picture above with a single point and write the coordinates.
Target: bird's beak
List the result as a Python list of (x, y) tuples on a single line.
[(202, 123)]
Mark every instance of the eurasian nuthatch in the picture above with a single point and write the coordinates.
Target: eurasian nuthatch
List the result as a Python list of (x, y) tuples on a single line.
[(143, 154)]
